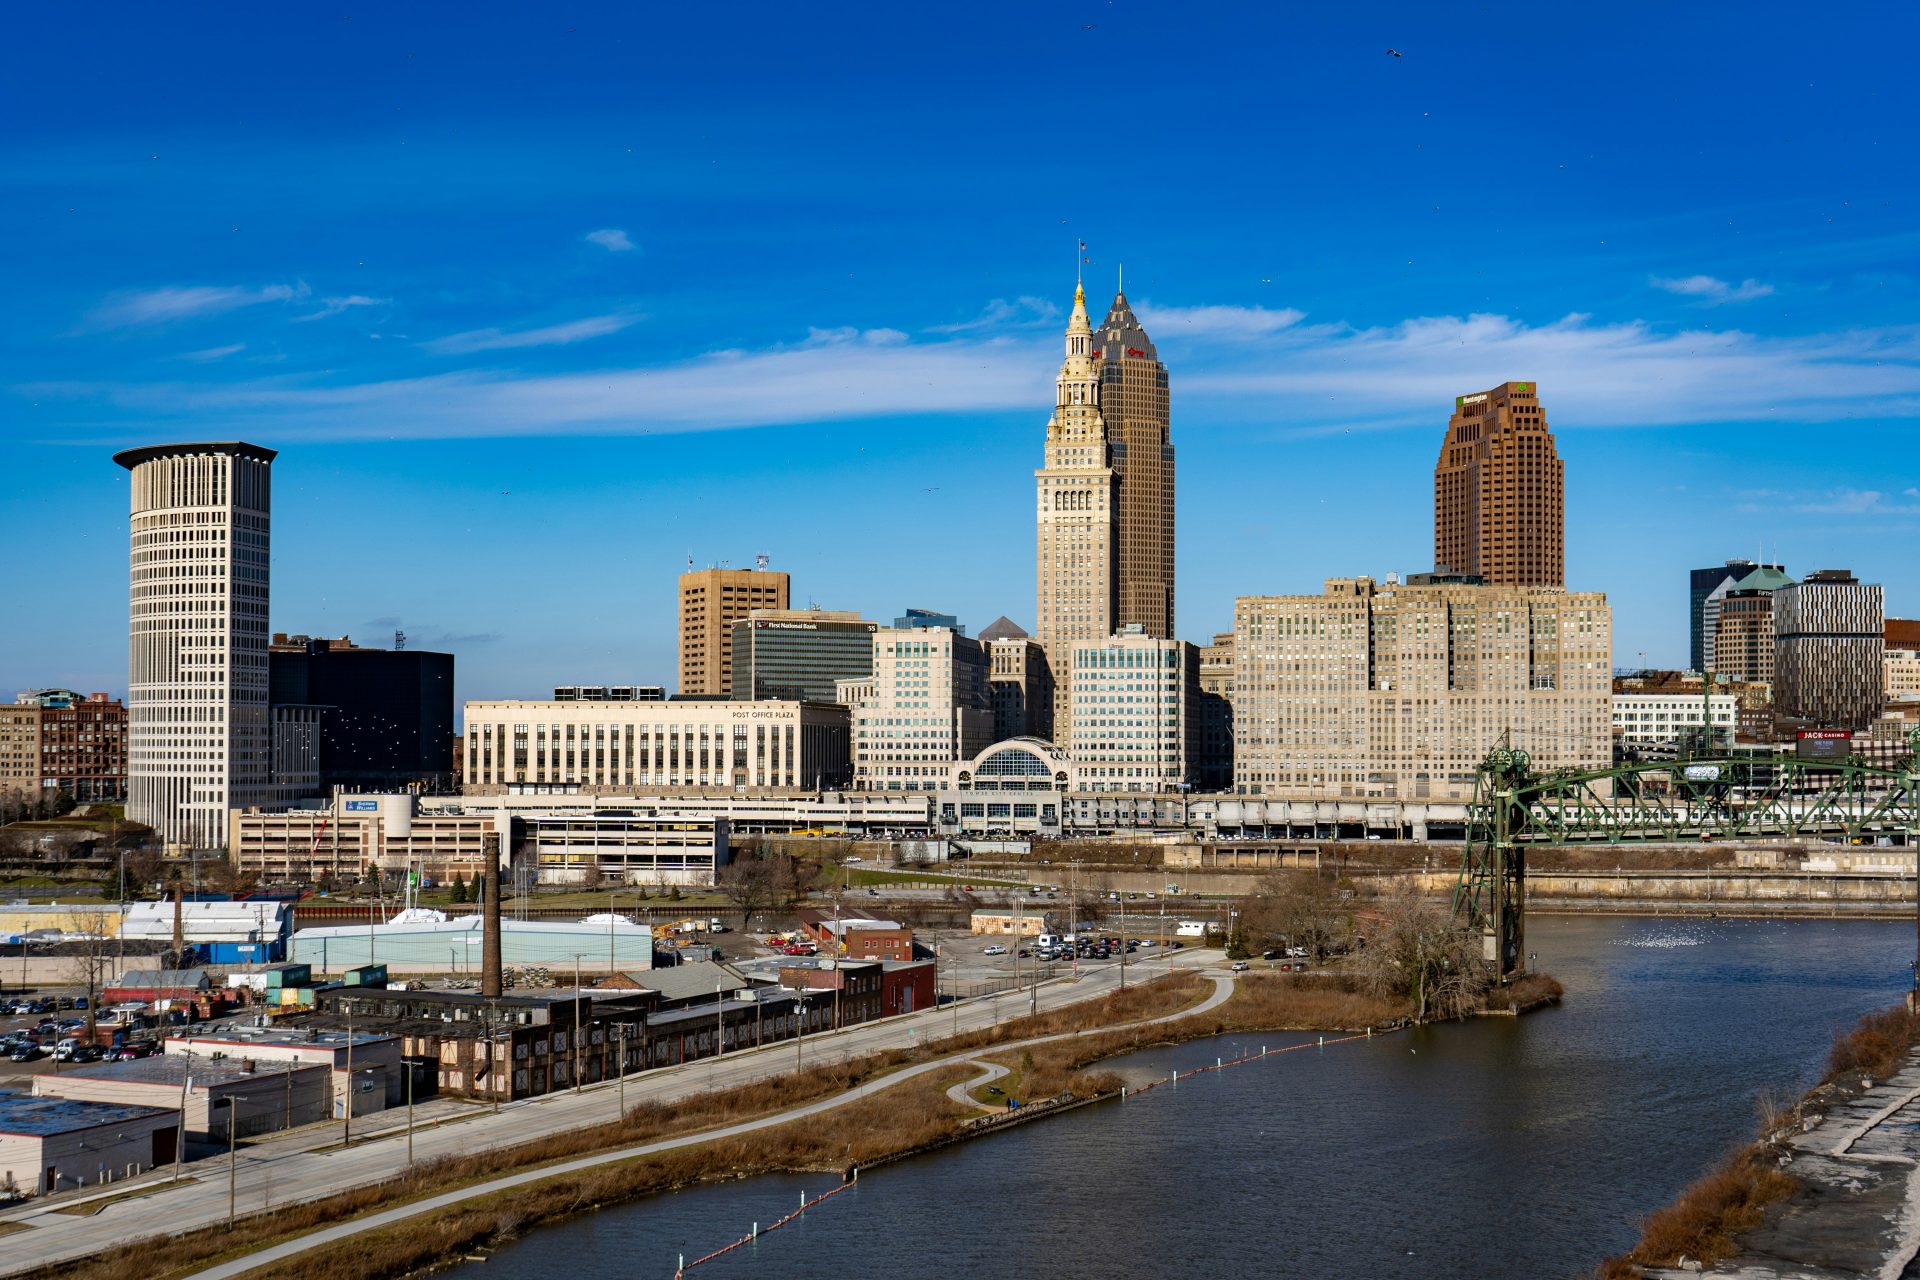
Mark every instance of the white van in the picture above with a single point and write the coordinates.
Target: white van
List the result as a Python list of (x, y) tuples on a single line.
[(1047, 941)]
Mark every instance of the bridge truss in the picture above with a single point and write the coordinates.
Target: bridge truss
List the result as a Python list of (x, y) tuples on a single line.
[(1701, 798)]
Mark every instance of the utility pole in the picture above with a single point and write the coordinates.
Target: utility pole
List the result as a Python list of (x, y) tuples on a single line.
[(346, 1111), (799, 1029), (186, 1083), (408, 1066), (233, 1115), (623, 1070), (719, 1017), (579, 1026)]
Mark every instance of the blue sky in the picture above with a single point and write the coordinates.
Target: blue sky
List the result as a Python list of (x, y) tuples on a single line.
[(539, 301)]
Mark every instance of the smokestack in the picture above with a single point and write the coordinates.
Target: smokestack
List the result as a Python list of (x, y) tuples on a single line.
[(490, 918)]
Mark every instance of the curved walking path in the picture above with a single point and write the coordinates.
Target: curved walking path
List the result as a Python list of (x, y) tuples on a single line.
[(962, 1093), (1222, 991)]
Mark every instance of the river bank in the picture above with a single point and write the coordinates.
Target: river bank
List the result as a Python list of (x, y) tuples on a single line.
[(1831, 1188)]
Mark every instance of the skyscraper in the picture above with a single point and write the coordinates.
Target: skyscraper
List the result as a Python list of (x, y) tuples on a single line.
[(197, 731), (711, 601), (1499, 492), (1829, 638), (1702, 586), (1077, 543), (1134, 403)]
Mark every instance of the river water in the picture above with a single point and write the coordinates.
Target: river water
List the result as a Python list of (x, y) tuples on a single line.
[(1524, 1148)]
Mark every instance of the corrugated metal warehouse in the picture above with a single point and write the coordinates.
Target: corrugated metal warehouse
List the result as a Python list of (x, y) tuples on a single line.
[(454, 946)]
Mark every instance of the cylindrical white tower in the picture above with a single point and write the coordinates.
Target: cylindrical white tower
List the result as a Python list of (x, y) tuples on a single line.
[(197, 716)]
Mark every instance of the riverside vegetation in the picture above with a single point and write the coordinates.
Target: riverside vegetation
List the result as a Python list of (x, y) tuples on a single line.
[(1705, 1222)]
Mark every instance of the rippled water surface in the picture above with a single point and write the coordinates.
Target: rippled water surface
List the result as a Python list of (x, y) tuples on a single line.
[(1522, 1148)]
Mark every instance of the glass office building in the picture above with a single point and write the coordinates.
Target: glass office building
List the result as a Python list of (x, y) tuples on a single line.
[(799, 653)]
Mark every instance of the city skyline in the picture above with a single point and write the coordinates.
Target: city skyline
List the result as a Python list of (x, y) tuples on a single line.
[(554, 338)]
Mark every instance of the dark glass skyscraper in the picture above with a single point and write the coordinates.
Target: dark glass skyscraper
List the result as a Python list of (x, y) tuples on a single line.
[(386, 719), (799, 653)]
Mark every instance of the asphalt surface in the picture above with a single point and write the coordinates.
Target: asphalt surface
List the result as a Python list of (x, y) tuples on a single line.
[(279, 1173)]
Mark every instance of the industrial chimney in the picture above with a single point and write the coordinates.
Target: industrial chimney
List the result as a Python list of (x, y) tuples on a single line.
[(490, 918)]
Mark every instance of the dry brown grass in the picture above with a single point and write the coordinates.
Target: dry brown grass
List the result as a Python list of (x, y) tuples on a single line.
[(1709, 1216), (1528, 992), (1707, 1219), (1876, 1047)]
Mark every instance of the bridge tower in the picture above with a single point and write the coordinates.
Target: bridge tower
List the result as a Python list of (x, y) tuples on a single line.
[(1490, 898)]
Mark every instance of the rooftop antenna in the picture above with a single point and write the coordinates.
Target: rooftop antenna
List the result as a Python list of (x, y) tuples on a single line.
[(1120, 278)]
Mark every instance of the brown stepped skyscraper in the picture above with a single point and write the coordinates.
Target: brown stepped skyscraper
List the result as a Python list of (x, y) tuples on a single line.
[(1133, 400), (1499, 508)]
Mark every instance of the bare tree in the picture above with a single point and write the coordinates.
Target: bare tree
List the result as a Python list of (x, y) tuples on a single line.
[(93, 955), (1417, 952), (756, 881), (1294, 909)]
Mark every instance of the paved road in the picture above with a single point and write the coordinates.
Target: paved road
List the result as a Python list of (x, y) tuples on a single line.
[(273, 1174), (1222, 989)]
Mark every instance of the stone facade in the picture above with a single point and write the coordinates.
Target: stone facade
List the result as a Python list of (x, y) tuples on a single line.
[(1400, 690)]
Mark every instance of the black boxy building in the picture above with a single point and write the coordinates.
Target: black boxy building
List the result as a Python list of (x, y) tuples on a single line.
[(387, 718)]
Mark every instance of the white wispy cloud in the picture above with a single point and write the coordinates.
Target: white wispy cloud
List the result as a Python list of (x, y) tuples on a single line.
[(1592, 374), (1251, 367), (179, 302), (553, 335), (1834, 502), (612, 239), (1712, 290), (1216, 322), (334, 306), (1002, 314), (211, 354)]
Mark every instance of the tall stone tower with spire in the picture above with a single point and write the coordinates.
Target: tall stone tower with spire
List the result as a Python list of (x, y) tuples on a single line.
[(1134, 403), (1078, 516)]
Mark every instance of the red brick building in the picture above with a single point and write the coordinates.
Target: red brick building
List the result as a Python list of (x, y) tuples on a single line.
[(865, 937), (907, 988), (855, 983), (83, 747)]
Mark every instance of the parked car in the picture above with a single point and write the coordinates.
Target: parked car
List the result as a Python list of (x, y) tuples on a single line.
[(1239, 966), (87, 1053), (1271, 953), (995, 950), (26, 1051)]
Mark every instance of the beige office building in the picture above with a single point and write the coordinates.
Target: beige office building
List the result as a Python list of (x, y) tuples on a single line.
[(711, 601), (1214, 766), (926, 710), (1135, 699), (617, 746), (1499, 491), (1078, 516), (1396, 690), (19, 751), (1019, 682)]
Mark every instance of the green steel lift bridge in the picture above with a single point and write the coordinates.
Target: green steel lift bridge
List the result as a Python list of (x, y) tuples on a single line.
[(1683, 801)]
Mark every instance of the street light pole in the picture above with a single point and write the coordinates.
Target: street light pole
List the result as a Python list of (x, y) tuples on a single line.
[(233, 1113), (408, 1066), (623, 1071), (346, 1109)]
